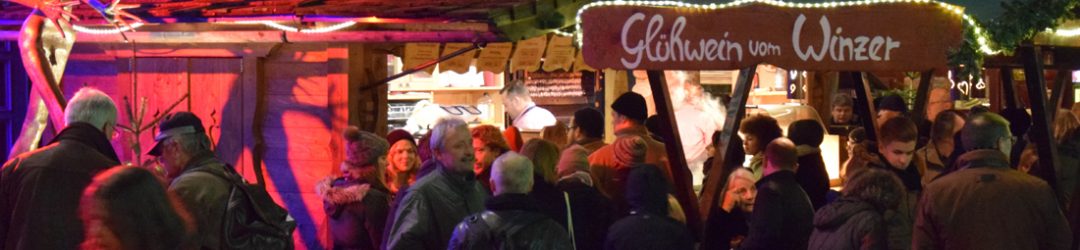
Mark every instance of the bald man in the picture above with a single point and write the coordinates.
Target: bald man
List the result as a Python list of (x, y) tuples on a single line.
[(783, 216), (512, 219)]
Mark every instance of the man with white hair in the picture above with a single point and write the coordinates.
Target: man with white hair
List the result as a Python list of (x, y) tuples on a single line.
[(521, 108), (426, 214), (512, 220), (40, 190)]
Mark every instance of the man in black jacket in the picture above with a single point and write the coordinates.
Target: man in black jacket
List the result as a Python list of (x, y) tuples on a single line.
[(40, 190), (783, 217), (426, 214), (512, 220)]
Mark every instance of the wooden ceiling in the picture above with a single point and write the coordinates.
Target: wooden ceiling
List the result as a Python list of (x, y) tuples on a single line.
[(201, 10)]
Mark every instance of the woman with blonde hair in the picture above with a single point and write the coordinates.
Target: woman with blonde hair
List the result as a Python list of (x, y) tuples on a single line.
[(403, 160), (544, 156)]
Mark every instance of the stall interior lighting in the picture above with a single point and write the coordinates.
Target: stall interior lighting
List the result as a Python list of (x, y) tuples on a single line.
[(1066, 32), (981, 37)]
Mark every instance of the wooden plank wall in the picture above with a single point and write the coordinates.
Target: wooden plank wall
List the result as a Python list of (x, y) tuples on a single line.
[(309, 100)]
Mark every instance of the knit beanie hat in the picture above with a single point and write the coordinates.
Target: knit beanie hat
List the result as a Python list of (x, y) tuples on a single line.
[(631, 105), (574, 158), (363, 148), (894, 103), (629, 150), (400, 134)]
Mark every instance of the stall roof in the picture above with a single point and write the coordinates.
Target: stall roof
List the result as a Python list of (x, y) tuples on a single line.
[(203, 10)]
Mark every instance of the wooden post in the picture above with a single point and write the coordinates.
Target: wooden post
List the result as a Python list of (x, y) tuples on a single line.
[(717, 175), (680, 172), (919, 113), (1040, 131), (867, 111), (1061, 85), (1008, 88)]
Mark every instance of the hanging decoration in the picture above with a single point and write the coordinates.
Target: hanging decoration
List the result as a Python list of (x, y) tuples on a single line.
[(493, 57), (528, 53), (560, 53)]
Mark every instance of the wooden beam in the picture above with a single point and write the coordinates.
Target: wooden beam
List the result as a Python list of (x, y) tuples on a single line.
[(1008, 88), (711, 192), (280, 36), (1061, 85), (923, 93), (867, 111), (1040, 132), (680, 171)]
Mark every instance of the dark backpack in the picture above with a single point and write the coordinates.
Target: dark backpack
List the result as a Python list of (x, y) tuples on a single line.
[(252, 219)]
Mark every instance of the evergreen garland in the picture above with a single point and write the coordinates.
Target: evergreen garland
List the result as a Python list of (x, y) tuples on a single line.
[(1021, 20)]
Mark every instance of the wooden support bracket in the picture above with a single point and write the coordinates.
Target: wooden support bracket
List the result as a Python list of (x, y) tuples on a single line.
[(680, 172)]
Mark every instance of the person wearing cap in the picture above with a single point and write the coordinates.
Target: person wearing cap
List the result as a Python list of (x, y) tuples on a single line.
[(425, 216), (629, 117), (522, 110), (587, 129), (40, 189), (890, 106), (183, 150), (648, 225), (357, 202), (403, 160)]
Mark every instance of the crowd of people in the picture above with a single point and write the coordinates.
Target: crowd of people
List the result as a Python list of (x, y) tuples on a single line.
[(956, 182)]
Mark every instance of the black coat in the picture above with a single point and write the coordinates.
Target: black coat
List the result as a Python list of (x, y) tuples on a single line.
[(813, 178), (647, 226), (550, 200), (647, 231), (427, 212), (592, 213), (783, 217), (849, 224), (40, 190), (511, 221), (722, 227), (356, 212)]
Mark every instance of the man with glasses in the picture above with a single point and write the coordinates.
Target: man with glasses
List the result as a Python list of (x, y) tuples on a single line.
[(587, 129), (183, 150)]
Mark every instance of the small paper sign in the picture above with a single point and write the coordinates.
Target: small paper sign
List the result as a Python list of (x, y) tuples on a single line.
[(420, 53), (528, 53), (579, 63), (560, 53), (493, 57), (460, 63)]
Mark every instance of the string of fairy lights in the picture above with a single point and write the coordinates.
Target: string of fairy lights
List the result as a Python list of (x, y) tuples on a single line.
[(982, 40)]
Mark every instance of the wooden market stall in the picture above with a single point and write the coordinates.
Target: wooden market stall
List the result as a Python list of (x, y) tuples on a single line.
[(275, 82)]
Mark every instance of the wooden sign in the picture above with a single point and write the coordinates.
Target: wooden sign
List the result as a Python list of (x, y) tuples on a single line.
[(875, 37), (493, 57), (528, 53), (560, 53), (579, 63), (460, 63), (420, 53)]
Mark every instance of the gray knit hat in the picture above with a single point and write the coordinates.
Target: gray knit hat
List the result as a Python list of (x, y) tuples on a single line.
[(363, 148)]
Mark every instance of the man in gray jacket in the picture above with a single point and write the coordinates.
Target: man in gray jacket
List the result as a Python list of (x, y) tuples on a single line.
[(429, 210), (183, 149)]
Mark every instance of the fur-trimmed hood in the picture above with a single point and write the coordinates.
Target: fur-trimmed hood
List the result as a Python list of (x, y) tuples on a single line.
[(337, 191)]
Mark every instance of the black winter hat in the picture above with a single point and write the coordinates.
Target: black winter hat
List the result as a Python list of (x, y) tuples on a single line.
[(631, 105), (174, 124), (894, 103), (806, 132)]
